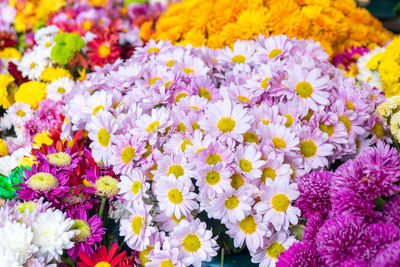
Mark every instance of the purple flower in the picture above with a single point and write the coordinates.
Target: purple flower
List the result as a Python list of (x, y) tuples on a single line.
[(314, 193), (314, 222), (299, 255), (391, 210), (388, 256)]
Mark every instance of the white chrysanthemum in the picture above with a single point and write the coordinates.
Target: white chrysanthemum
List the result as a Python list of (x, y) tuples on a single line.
[(52, 234), (32, 64), (60, 87), (8, 163), (248, 161), (9, 258), (133, 186), (16, 240)]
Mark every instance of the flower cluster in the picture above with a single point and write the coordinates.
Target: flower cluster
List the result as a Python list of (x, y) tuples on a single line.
[(218, 23), (389, 110), (33, 234), (352, 213), (347, 60), (381, 68), (199, 132)]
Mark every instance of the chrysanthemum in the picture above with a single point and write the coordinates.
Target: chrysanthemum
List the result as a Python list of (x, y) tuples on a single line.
[(276, 205), (175, 196), (103, 49), (52, 234), (309, 86), (231, 206), (101, 131), (300, 254), (133, 186), (274, 48), (250, 229), (275, 168), (280, 138), (59, 88), (194, 241), (227, 119), (214, 153), (103, 258), (136, 229), (126, 151), (242, 53), (191, 65), (177, 165), (277, 243), (19, 113), (165, 256), (89, 236), (313, 149), (248, 161), (213, 180)]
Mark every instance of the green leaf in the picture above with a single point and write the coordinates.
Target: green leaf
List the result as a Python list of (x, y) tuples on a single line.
[(297, 230)]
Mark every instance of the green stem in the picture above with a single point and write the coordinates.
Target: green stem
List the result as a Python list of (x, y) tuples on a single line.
[(222, 257), (103, 203)]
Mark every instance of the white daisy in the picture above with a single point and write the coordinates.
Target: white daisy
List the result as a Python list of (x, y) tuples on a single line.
[(133, 186), (248, 161), (176, 165), (19, 113), (32, 64), (213, 180), (280, 138), (59, 87), (276, 205), (242, 53)]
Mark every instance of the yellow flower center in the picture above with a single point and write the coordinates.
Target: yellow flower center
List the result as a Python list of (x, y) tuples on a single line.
[(245, 165), (127, 154), (33, 65), (268, 172), (184, 144), (308, 148), (278, 142), (237, 181), (280, 202), (182, 127), (59, 159), (232, 202), (188, 70), (61, 90), (103, 264), (304, 89), (153, 80), (106, 186), (143, 254), (137, 224), (203, 92), (274, 52), (326, 128), (213, 177), (175, 196), (152, 127), (180, 95), (148, 150), (136, 187), (239, 59), (42, 181), (104, 51), (191, 243), (250, 137), (194, 107), (264, 83), (153, 50), (266, 122), (178, 220), (103, 137), (244, 99), (310, 113), (378, 130), (47, 44), (20, 113), (176, 170), (168, 84), (275, 249), (84, 228), (87, 24), (226, 124), (248, 225), (97, 109), (195, 126), (213, 159), (170, 63), (350, 105), (346, 122), (166, 263), (289, 120)]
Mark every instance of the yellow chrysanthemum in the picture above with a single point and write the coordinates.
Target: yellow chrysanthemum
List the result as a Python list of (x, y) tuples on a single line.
[(50, 74), (395, 125), (217, 23), (3, 148), (27, 161), (6, 90), (42, 138), (10, 53), (389, 68), (31, 93), (389, 107)]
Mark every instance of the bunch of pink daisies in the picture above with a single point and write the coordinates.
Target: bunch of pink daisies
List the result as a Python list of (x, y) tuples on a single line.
[(221, 133)]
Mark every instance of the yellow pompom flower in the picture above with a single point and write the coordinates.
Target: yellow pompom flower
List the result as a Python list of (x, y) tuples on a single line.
[(3, 148), (10, 53), (49, 74), (389, 107), (337, 25), (27, 161), (389, 68), (6, 90), (42, 138), (31, 93), (395, 126)]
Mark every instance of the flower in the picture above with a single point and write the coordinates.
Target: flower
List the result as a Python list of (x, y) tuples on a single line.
[(59, 87), (103, 48), (276, 205), (194, 241), (31, 93), (133, 186), (101, 256), (52, 234), (5, 81), (126, 151), (299, 254), (248, 161)]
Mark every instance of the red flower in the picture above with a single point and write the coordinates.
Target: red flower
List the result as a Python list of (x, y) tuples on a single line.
[(103, 49), (103, 259)]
